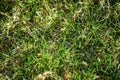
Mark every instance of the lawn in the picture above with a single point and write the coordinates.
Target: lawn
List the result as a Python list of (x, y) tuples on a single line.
[(59, 40)]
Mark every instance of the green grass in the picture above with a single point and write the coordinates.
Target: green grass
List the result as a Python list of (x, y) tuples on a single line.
[(69, 39)]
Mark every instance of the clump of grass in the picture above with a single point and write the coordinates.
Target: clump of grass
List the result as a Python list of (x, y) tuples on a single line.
[(71, 39)]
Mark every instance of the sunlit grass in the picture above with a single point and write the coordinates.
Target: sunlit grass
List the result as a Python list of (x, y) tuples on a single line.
[(59, 40)]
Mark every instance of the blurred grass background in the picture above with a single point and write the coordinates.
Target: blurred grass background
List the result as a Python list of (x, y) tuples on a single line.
[(72, 39)]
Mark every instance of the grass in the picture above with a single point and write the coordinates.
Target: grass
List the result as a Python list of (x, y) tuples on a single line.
[(59, 40)]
